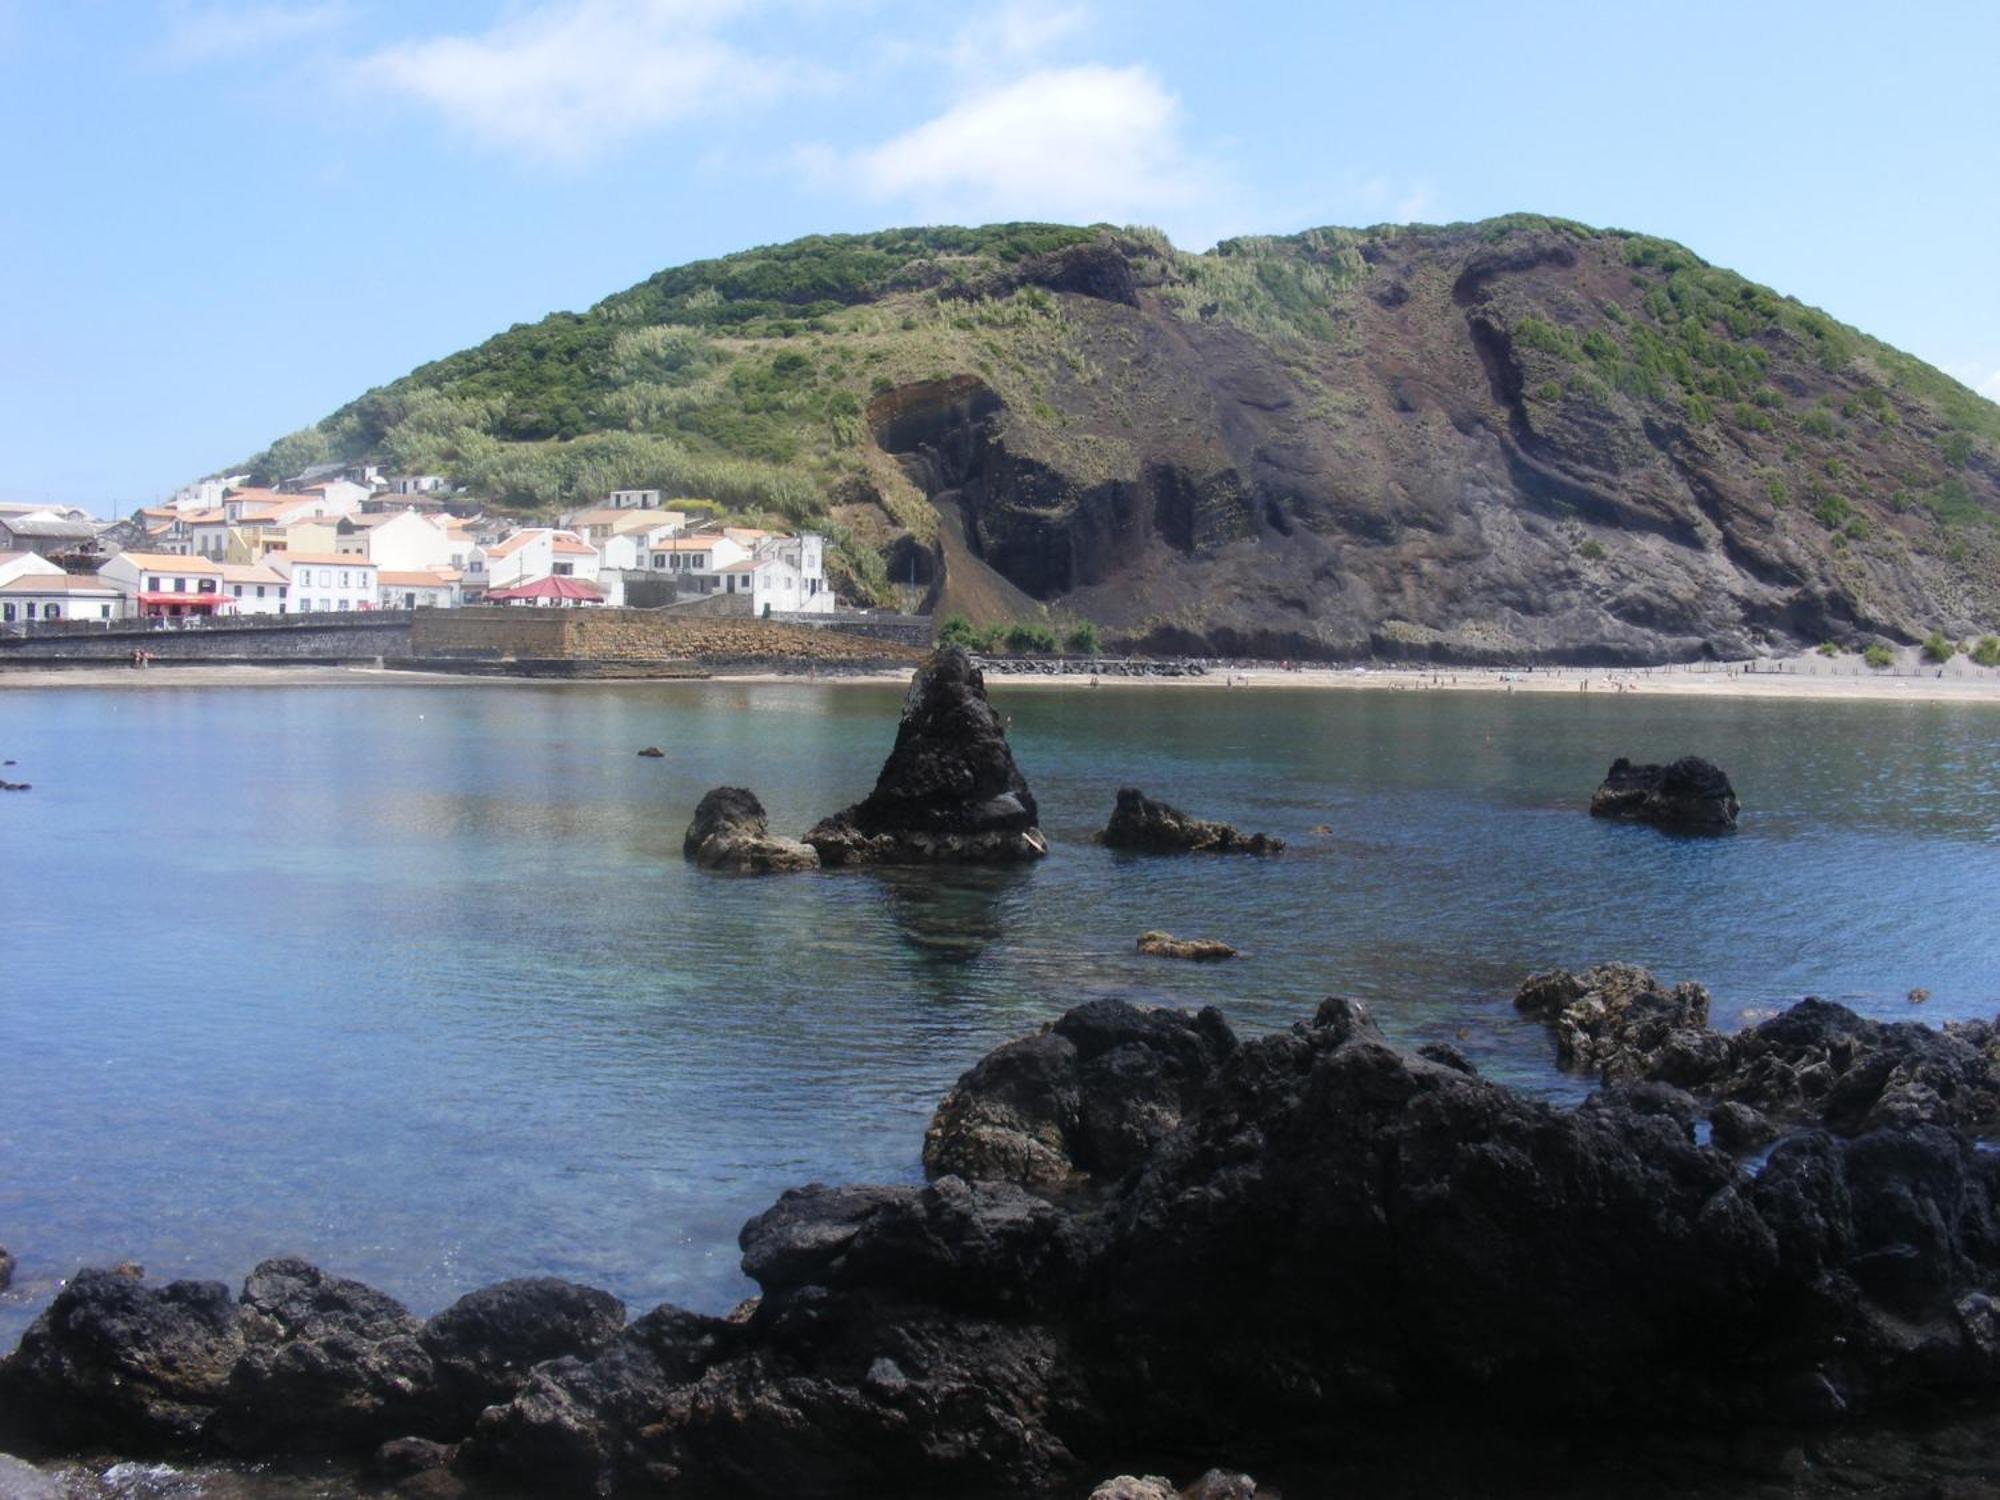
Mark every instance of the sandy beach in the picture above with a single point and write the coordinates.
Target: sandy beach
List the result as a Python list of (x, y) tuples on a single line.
[(1806, 678)]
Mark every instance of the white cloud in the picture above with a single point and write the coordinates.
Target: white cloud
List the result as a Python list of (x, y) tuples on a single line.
[(218, 33), (1015, 33), (1082, 143), (566, 80)]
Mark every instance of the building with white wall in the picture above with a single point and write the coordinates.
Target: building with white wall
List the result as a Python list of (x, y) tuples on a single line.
[(324, 583), (161, 586), (255, 589), (28, 598)]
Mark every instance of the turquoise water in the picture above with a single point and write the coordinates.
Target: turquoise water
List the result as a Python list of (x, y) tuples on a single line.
[(411, 979)]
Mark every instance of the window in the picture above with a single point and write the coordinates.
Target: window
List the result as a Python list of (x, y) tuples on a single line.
[(563, 570), (238, 588), (6, 612), (53, 612), (343, 604), (103, 611), (345, 581), (260, 591), (152, 585), (180, 585), (31, 609)]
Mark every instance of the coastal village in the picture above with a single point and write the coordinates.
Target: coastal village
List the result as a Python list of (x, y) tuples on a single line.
[(346, 538)]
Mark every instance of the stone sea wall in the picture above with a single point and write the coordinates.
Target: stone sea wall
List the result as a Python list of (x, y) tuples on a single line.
[(439, 637)]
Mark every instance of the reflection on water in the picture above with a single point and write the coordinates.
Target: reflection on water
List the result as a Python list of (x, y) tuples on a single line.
[(414, 982)]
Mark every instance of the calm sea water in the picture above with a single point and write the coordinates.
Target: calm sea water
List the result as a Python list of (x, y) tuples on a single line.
[(412, 979)]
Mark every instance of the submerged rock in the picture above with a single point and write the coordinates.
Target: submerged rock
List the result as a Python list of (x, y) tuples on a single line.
[(1139, 823), (1086, 1098), (1166, 945), (6, 1269), (949, 791), (652, 752), (1818, 1063), (1617, 1021), (1690, 795), (730, 832)]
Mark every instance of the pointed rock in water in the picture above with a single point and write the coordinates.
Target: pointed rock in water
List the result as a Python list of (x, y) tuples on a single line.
[(6, 1269), (1690, 795), (730, 832), (652, 752), (1140, 823), (1166, 945), (949, 791)]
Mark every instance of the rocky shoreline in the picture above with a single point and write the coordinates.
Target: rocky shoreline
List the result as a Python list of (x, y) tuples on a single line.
[(1147, 1245)]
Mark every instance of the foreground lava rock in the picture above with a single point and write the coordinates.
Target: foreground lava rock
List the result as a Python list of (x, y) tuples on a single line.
[(1139, 823), (949, 791), (729, 831), (1085, 1098), (1273, 1248), (1689, 796), (1817, 1062)]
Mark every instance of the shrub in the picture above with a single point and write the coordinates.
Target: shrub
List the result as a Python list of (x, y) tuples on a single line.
[(1818, 422), (1592, 549), (1081, 640), (1779, 496), (1878, 656), (1937, 648), (1022, 637), (1827, 648), (956, 630), (1957, 448), (1987, 652)]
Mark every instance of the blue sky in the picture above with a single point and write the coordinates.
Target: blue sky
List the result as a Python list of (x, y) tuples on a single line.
[(223, 218)]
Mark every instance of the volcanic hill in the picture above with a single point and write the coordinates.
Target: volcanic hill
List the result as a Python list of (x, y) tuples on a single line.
[(1522, 439)]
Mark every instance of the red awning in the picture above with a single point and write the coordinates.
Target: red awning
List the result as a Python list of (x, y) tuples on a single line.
[(188, 601), (572, 589)]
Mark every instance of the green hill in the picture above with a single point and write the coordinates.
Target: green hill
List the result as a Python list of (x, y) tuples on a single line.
[(1516, 439)]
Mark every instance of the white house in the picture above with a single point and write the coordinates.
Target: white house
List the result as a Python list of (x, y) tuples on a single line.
[(431, 588), (254, 589), (537, 552), (417, 484), (693, 562), (398, 542), (160, 586), (789, 576), (28, 597), (633, 500), (323, 583)]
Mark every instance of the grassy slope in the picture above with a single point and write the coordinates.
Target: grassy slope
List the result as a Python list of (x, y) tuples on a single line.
[(743, 379)]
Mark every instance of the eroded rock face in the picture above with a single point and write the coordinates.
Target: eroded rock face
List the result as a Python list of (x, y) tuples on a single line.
[(1149, 827), (949, 791), (729, 831), (1690, 795), (1817, 1063), (1084, 1099)]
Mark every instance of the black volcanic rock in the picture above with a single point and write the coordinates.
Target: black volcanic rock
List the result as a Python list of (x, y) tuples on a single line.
[(1817, 1062), (1294, 1243), (6, 1269), (113, 1363), (328, 1365), (1085, 1098), (949, 791), (1139, 823), (1689, 796), (729, 831)]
